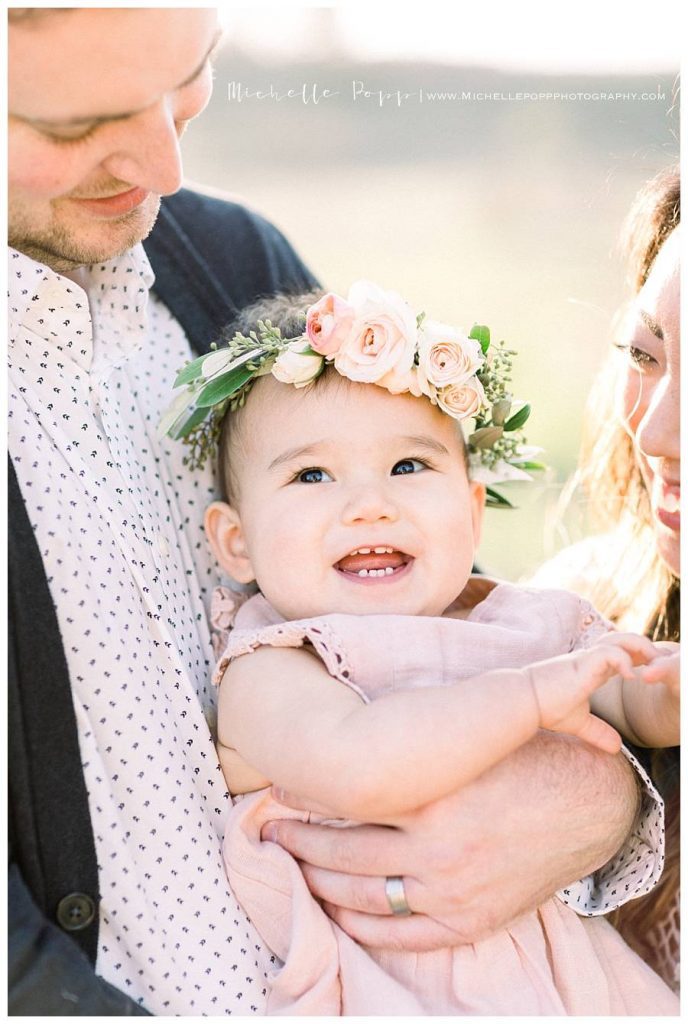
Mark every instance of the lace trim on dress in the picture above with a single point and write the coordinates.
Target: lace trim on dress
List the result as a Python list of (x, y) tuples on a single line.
[(321, 638), (591, 626)]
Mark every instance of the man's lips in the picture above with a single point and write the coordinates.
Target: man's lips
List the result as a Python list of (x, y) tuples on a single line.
[(114, 206), (373, 562)]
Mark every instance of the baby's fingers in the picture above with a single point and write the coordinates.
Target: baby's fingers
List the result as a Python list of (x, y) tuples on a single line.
[(599, 734), (664, 670), (640, 648)]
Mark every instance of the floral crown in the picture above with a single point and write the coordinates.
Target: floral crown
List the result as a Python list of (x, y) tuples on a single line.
[(373, 337)]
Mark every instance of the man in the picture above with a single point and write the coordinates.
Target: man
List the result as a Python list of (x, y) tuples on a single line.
[(118, 896)]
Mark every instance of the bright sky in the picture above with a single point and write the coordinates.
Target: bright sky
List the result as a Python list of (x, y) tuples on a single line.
[(576, 35)]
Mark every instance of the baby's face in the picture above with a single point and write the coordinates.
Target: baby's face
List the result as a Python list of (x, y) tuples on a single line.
[(350, 499)]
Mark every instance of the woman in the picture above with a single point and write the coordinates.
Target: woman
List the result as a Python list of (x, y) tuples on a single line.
[(630, 473)]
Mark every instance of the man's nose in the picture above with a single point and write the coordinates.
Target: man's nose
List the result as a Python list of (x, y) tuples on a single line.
[(658, 432), (369, 503), (148, 154)]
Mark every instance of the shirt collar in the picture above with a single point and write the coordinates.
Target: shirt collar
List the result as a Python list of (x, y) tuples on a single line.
[(62, 313)]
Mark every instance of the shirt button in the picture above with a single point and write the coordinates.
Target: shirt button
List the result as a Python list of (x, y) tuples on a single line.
[(163, 546), (75, 911)]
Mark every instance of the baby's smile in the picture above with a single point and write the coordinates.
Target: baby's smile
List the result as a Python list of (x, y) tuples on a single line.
[(377, 563)]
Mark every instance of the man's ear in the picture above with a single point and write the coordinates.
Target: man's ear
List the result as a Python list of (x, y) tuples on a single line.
[(478, 495), (226, 538)]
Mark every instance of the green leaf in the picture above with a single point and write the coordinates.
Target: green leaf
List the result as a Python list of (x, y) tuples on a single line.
[(485, 437), (518, 419), (190, 371), (224, 386), (496, 500), (185, 426), (529, 465), (482, 334)]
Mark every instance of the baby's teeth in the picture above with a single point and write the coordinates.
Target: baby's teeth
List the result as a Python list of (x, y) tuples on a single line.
[(362, 551), (382, 551), (389, 570), (362, 572)]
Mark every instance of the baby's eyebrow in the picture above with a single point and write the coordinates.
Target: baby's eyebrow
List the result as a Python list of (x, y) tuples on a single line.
[(425, 441), (76, 122), (293, 453)]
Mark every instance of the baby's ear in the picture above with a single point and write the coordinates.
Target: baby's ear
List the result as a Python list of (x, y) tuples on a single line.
[(226, 538)]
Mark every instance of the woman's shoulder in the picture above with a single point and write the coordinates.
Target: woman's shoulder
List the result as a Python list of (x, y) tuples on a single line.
[(576, 567)]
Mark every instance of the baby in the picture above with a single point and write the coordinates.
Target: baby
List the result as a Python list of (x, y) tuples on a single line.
[(383, 675)]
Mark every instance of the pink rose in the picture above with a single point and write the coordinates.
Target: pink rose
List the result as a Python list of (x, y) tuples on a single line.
[(328, 324), (462, 400), (446, 356), (400, 383), (382, 338)]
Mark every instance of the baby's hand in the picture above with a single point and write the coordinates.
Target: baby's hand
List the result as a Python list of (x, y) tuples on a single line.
[(563, 685), (665, 667)]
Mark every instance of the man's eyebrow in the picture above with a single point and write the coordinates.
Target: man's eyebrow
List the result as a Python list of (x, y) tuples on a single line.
[(294, 453), (425, 441), (76, 122), (651, 324)]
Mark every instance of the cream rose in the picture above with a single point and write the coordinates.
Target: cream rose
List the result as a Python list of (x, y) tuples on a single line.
[(400, 383), (328, 324), (462, 400), (446, 356), (382, 337), (297, 365)]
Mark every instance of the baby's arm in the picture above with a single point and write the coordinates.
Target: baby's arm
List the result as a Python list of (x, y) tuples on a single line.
[(647, 715), (282, 712)]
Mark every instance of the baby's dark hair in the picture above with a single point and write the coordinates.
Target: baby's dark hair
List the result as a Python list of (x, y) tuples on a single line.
[(288, 313)]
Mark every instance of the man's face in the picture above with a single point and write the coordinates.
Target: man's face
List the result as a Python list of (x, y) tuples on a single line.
[(98, 100)]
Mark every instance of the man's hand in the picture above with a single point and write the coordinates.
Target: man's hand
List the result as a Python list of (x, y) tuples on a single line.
[(550, 813)]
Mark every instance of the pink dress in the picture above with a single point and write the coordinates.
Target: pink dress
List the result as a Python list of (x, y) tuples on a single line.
[(550, 961)]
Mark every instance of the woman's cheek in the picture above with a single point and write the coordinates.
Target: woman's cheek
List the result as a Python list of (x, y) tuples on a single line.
[(631, 401)]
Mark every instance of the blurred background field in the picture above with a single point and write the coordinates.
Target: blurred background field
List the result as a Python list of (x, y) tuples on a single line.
[(500, 210)]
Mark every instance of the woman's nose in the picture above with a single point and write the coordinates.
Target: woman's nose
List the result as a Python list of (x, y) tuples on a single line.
[(148, 155), (369, 504), (657, 431)]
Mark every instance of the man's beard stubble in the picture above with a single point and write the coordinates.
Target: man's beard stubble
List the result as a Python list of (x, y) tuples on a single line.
[(60, 249)]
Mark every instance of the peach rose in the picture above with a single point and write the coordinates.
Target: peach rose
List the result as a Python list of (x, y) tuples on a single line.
[(328, 324), (297, 365), (446, 356), (462, 400), (382, 337), (399, 383)]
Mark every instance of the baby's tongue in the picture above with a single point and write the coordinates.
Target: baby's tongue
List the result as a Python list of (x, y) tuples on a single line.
[(354, 563)]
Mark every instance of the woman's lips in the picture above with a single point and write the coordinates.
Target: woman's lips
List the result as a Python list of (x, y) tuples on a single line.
[(114, 206), (667, 504)]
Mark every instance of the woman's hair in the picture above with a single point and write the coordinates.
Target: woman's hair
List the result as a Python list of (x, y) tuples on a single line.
[(638, 592), (635, 589)]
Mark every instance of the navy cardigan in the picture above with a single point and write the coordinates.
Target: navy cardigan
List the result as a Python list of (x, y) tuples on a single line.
[(210, 259)]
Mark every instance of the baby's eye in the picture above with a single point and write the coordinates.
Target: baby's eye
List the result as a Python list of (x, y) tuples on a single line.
[(408, 466), (313, 476)]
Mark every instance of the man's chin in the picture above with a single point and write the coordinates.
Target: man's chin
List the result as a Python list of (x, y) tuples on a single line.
[(65, 247)]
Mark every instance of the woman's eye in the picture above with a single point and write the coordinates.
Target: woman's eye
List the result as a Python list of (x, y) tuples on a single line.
[(638, 356), (313, 476), (408, 466)]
